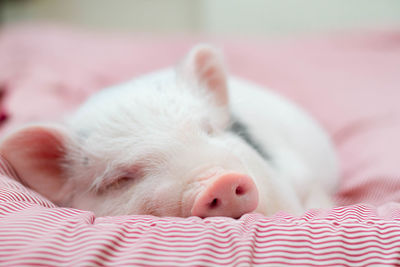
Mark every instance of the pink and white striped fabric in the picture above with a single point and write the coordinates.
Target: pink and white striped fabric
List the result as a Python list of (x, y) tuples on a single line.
[(349, 82), (33, 231)]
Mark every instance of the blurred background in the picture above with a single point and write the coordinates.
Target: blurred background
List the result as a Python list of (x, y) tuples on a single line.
[(238, 17)]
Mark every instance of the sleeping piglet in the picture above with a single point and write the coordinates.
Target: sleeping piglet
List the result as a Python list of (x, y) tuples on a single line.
[(185, 141)]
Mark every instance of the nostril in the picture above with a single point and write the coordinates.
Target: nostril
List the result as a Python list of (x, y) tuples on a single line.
[(214, 204), (231, 194), (239, 190)]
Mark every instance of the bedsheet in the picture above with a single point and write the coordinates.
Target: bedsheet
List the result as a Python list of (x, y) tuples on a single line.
[(349, 81)]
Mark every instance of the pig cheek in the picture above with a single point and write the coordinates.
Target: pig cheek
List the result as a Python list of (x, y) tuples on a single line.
[(166, 199), (102, 204), (134, 199)]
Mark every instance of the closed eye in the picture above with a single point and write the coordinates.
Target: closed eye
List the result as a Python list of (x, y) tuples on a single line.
[(122, 181), (118, 183)]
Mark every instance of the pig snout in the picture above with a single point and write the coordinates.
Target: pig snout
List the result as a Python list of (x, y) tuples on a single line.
[(231, 195)]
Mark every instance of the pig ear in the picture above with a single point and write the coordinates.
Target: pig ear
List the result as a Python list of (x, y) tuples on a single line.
[(203, 66), (36, 153)]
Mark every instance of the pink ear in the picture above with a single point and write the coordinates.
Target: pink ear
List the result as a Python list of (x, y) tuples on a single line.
[(36, 153), (204, 66)]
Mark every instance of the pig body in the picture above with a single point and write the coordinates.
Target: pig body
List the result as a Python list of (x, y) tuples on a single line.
[(182, 142)]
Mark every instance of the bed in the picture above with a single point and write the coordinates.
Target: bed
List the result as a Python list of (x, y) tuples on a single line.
[(349, 81)]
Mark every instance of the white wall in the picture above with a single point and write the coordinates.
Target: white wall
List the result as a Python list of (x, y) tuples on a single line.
[(285, 16), (211, 16)]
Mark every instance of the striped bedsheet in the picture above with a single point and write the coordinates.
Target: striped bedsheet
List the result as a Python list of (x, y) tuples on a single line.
[(33, 231)]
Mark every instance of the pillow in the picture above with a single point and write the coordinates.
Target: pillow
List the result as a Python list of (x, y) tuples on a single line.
[(349, 82)]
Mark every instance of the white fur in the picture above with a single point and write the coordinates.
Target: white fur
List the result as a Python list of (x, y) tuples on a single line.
[(167, 134)]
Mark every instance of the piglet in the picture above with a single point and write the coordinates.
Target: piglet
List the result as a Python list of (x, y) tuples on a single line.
[(185, 141)]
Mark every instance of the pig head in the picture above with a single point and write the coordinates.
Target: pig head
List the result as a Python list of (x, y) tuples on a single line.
[(157, 145)]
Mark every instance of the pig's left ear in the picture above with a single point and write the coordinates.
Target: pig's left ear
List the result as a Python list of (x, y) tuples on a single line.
[(203, 66), (37, 154)]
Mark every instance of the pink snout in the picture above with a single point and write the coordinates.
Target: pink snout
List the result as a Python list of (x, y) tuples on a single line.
[(231, 195)]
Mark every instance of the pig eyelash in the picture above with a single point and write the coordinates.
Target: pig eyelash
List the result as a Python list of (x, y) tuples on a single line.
[(116, 184), (119, 183)]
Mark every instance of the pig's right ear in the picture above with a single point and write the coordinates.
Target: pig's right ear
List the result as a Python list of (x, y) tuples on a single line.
[(203, 66), (36, 153)]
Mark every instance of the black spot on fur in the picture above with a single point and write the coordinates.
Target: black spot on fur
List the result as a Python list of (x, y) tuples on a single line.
[(239, 128)]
